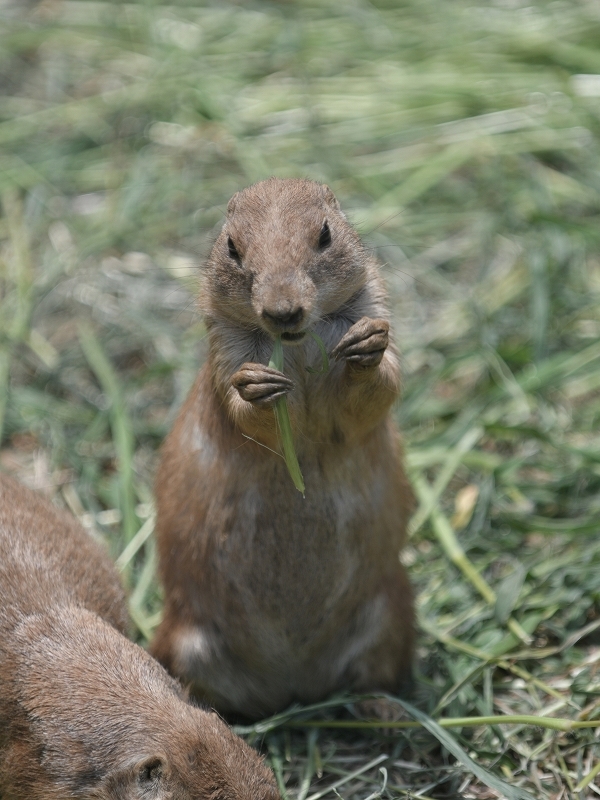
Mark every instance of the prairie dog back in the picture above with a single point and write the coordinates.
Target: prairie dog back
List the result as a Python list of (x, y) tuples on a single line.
[(47, 557)]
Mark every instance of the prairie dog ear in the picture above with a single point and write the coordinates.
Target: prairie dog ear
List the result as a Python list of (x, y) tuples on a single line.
[(231, 204), (150, 770), (134, 780), (329, 197)]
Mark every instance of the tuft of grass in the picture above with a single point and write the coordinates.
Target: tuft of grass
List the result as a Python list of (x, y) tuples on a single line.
[(463, 142)]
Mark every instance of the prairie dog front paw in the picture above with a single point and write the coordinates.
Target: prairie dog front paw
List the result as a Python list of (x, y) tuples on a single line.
[(260, 385), (364, 344)]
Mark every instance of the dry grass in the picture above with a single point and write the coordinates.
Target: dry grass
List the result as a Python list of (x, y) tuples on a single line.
[(465, 147)]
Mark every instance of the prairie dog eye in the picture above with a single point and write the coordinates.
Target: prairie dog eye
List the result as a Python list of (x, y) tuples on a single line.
[(233, 253), (324, 236)]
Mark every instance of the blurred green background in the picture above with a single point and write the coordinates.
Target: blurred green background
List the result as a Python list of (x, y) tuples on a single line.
[(463, 142)]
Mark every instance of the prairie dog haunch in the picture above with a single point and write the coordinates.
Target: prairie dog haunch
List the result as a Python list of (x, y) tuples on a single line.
[(272, 598), (84, 712)]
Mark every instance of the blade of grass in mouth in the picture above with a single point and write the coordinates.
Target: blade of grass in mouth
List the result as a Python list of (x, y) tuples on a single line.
[(283, 422), (281, 410), (324, 356)]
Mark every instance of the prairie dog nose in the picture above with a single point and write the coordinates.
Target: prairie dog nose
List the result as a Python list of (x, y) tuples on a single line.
[(284, 319)]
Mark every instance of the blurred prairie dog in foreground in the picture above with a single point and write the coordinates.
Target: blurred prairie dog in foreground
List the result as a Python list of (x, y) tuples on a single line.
[(273, 598), (84, 712)]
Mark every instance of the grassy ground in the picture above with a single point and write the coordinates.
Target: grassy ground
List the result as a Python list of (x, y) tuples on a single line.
[(464, 141)]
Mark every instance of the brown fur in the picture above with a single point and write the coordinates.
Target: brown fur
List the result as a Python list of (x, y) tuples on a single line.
[(272, 598), (85, 713)]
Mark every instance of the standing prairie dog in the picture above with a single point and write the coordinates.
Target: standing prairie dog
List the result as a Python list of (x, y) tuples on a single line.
[(270, 597), (84, 712)]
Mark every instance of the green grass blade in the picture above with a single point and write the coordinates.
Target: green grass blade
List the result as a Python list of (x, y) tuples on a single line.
[(324, 356), (16, 287), (449, 742), (283, 421), (120, 424)]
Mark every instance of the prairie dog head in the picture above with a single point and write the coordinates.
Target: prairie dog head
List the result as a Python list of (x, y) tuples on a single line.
[(285, 257)]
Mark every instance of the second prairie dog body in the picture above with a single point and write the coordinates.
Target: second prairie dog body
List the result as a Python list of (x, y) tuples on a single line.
[(84, 712), (270, 597)]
